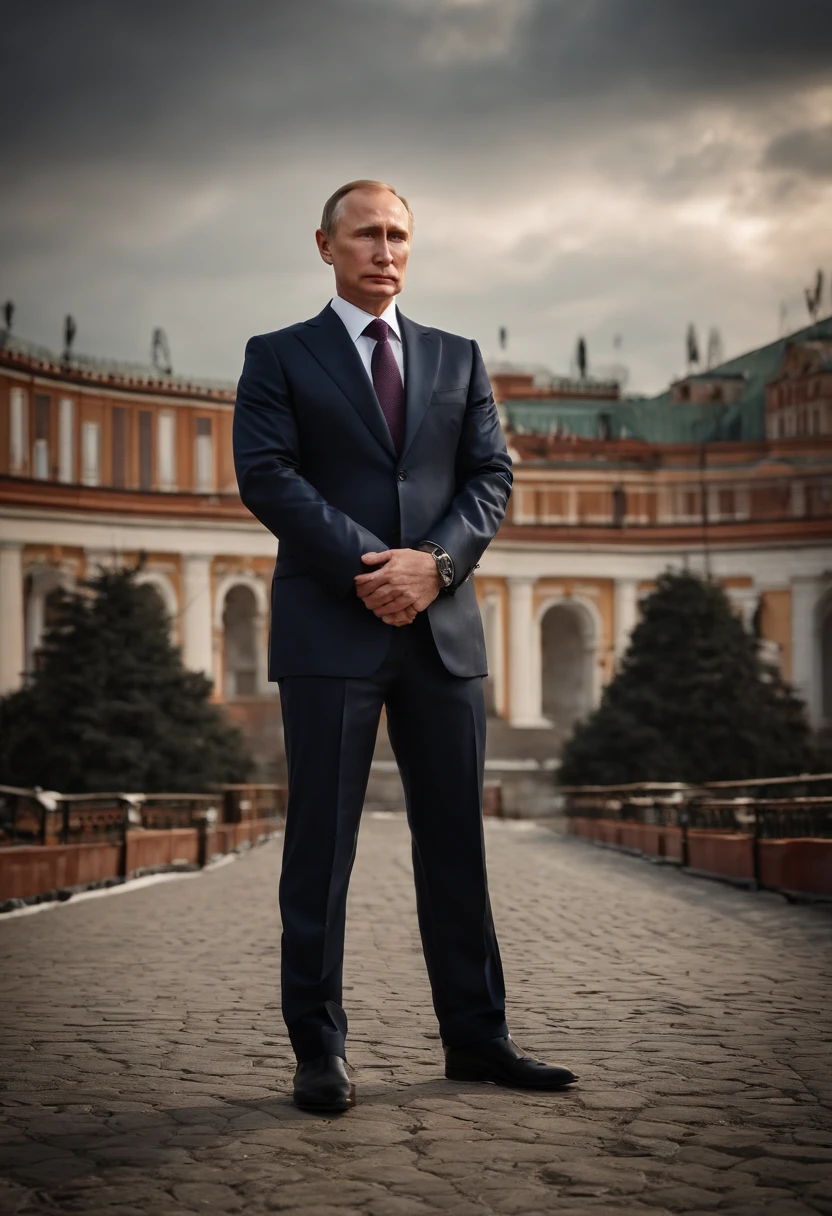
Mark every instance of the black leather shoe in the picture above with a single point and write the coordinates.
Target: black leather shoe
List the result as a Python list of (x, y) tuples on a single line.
[(322, 1085), (501, 1062)]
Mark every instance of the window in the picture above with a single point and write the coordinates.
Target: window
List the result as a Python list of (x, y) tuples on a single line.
[(119, 449), (166, 454), (91, 453), (19, 430), (66, 440), (145, 450), (204, 456), (815, 422), (726, 504), (690, 502), (40, 462), (781, 427)]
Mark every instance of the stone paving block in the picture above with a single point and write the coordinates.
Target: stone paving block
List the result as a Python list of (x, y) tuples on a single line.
[(147, 1072)]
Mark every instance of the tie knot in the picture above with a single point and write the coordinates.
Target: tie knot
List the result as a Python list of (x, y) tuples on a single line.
[(377, 330)]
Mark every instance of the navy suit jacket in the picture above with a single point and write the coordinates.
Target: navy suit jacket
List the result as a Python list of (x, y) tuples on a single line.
[(315, 463)]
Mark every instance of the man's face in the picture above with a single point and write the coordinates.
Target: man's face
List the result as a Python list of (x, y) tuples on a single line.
[(369, 248)]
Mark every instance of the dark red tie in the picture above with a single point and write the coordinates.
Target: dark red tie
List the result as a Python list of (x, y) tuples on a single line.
[(387, 380)]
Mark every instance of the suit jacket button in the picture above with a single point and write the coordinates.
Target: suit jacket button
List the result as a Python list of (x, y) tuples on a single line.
[(402, 475)]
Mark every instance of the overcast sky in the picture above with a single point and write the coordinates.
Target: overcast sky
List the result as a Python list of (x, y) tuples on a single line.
[(594, 167)]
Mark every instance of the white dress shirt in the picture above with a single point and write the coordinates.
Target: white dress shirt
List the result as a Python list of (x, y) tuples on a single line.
[(356, 321)]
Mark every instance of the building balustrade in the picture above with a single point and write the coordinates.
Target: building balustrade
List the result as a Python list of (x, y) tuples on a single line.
[(767, 833), (53, 845), (644, 504)]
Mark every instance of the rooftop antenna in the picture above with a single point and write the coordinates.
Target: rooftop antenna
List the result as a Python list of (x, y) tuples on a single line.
[(70, 330), (8, 314), (503, 334), (784, 318), (814, 296), (715, 354), (692, 347), (580, 355), (160, 352)]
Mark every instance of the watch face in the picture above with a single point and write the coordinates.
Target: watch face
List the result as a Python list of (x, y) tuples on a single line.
[(444, 564)]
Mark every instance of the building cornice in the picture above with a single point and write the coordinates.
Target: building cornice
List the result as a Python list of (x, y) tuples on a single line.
[(23, 493)]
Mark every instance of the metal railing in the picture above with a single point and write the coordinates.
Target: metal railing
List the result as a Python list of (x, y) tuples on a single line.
[(42, 817), (784, 809)]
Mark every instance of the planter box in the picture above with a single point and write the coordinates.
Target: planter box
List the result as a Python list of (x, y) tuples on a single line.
[(631, 836), (724, 854), (25, 872), (800, 866), (161, 847)]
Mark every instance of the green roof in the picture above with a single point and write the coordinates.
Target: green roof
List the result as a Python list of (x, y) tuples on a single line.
[(662, 420)]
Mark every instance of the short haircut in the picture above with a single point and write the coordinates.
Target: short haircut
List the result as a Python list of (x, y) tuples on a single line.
[(332, 206)]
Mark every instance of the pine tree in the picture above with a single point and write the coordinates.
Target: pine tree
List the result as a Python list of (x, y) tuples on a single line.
[(692, 700), (110, 706)]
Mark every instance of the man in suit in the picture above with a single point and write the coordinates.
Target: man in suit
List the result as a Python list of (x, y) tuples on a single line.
[(371, 447)]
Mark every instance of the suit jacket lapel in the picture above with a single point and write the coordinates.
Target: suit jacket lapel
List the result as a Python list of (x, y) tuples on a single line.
[(422, 349), (327, 339)]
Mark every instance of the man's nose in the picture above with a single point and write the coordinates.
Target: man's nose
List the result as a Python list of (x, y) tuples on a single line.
[(383, 254)]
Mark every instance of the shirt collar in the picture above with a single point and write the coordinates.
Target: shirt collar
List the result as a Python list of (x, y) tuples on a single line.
[(356, 319)]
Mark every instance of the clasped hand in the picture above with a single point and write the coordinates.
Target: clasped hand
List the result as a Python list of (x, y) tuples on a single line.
[(403, 584)]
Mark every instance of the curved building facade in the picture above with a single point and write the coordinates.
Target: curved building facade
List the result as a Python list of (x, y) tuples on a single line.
[(729, 472)]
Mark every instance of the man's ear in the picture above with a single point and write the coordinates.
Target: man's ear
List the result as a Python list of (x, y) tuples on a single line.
[(323, 246)]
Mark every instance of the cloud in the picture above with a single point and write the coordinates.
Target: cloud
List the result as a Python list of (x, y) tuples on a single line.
[(593, 166), (807, 151)]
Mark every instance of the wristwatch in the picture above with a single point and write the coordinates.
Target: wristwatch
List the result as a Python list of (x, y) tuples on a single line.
[(444, 563)]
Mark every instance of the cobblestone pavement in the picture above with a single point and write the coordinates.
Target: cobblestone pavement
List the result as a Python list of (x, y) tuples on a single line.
[(147, 1073)]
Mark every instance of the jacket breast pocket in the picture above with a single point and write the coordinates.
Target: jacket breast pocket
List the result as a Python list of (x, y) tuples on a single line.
[(450, 396)]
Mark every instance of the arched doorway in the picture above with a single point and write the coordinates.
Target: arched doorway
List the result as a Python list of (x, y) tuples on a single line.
[(240, 636), (826, 662), (567, 664)]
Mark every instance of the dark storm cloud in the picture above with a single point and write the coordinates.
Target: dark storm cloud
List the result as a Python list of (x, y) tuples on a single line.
[(98, 80), (595, 166), (807, 151)]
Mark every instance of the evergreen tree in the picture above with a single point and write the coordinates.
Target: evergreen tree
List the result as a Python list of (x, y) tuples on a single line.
[(110, 706), (692, 700)]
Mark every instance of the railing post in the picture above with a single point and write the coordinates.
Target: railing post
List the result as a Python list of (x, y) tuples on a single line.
[(231, 806), (205, 823), (122, 852), (684, 822), (755, 851)]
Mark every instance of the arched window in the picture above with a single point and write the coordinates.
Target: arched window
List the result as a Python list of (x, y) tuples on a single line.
[(568, 657), (239, 620)]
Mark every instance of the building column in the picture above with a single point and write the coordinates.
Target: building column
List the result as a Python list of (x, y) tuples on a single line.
[(806, 593), (197, 625), (626, 614), (524, 656), (12, 658), (745, 601), (492, 619)]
